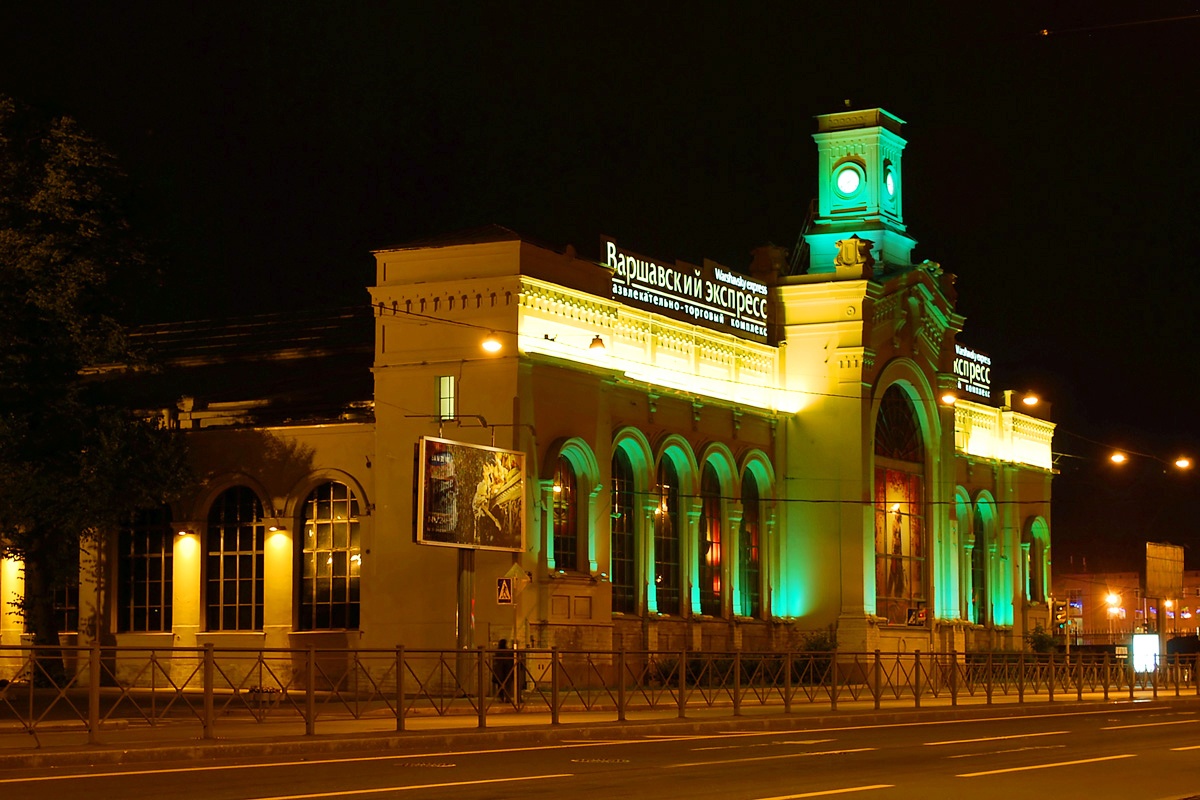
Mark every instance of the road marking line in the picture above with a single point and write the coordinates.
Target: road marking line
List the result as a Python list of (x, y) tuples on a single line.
[(995, 738), (1151, 724), (827, 792), (771, 758), (990, 753), (1045, 766), (760, 744), (350, 792), (323, 761)]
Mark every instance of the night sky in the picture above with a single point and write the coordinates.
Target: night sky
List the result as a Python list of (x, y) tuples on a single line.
[(274, 145)]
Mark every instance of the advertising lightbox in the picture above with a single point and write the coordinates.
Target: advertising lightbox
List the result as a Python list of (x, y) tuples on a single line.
[(470, 496)]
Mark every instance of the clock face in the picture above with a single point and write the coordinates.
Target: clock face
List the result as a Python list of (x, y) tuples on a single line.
[(890, 183), (848, 180)]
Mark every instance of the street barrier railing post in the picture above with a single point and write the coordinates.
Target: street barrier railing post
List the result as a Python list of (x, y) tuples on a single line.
[(787, 682), (310, 692), (737, 683), (209, 671), (554, 685), (93, 692), (916, 679), (621, 684), (987, 678), (481, 687), (953, 677), (400, 687), (833, 681), (1021, 676), (877, 680)]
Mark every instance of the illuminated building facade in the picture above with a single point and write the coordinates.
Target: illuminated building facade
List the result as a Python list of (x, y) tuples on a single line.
[(711, 459)]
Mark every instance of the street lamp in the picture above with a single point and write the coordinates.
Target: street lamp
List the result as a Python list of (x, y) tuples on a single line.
[(1114, 602), (1181, 463)]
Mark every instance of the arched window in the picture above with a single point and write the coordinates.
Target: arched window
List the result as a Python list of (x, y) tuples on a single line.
[(900, 590), (749, 554), (668, 527), (234, 562), (708, 554), (566, 516), (622, 548), (145, 565), (979, 569), (1036, 538), (330, 560)]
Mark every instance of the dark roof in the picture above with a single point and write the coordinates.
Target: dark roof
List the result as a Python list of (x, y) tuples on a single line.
[(481, 235), (304, 366)]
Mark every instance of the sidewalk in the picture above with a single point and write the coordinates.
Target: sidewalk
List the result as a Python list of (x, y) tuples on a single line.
[(129, 741)]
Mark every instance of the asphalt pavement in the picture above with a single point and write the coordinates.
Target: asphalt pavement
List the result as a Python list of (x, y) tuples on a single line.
[(137, 741)]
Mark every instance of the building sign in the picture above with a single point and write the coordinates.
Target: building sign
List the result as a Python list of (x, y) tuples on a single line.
[(470, 496), (973, 371), (1164, 571), (710, 295)]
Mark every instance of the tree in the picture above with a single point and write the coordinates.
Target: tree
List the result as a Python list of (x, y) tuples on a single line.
[(73, 467)]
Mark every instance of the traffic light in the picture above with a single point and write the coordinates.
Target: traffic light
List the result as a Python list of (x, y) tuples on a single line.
[(1060, 616)]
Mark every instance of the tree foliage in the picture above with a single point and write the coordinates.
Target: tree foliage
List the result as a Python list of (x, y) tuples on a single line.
[(73, 468)]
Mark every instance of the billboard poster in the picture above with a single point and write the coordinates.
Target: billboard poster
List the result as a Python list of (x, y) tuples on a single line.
[(470, 496)]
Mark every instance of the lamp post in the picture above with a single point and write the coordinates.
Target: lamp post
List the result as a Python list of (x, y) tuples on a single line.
[(1114, 603)]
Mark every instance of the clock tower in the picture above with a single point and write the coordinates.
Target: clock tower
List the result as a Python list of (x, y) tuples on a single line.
[(858, 231)]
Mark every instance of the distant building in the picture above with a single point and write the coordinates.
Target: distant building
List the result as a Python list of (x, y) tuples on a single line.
[(1096, 607), (660, 455)]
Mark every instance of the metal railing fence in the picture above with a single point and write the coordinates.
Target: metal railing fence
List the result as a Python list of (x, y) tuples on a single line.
[(87, 688)]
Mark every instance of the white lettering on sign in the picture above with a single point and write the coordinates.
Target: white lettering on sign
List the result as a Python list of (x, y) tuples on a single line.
[(973, 371), (709, 295)]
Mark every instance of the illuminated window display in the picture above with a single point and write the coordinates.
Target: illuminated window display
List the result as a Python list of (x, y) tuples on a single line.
[(566, 512), (899, 513), (667, 533), (709, 552)]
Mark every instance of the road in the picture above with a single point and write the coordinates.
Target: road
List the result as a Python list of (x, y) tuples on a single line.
[(1135, 753)]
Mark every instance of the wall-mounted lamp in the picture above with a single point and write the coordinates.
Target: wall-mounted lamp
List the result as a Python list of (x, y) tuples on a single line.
[(274, 528), (1028, 399), (597, 343), (184, 532), (492, 343), (949, 398)]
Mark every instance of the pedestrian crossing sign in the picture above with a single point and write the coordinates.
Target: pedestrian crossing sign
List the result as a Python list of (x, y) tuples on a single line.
[(504, 591)]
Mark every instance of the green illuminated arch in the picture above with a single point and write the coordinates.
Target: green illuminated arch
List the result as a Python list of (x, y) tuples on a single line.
[(904, 429), (709, 569), (631, 505), (1035, 547), (964, 525), (578, 454), (755, 540), (987, 589), (676, 479)]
